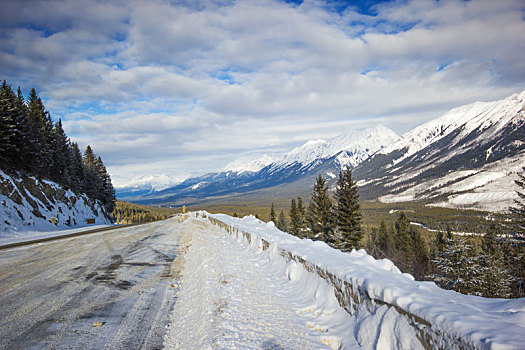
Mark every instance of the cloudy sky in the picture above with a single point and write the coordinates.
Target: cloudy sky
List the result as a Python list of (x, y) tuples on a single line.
[(185, 87)]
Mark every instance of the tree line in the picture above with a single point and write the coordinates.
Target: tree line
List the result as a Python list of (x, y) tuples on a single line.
[(131, 213), (488, 265), (31, 143)]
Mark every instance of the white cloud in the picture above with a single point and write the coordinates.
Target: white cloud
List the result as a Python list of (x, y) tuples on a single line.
[(184, 87)]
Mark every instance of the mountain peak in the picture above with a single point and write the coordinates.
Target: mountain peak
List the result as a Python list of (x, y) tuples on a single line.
[(351, 148), (477, 115), (241, 165), (154, 182)]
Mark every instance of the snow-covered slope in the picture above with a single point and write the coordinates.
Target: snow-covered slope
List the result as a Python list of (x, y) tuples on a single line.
[(241, 166), (476, 116), (350, 148), (28, 204), (468, 158)]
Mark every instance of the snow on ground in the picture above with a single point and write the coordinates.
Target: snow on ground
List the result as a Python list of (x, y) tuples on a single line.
[(233, 298), (486, 323), (28, 207)]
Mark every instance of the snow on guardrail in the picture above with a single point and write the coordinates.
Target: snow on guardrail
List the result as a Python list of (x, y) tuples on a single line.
[(391, 309)]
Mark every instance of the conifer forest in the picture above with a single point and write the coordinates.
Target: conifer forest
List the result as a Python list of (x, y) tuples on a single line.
[(489, 265), (32, 144)]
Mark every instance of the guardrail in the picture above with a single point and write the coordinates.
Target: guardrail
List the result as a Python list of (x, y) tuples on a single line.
[(354, 300)]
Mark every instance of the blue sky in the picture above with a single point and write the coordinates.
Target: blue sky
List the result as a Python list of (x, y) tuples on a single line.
[(185, 87)]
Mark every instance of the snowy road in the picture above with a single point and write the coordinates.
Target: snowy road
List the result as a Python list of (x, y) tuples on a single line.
[(109, 290)]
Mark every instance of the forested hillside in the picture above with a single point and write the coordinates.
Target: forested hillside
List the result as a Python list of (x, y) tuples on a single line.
[(31, 143)]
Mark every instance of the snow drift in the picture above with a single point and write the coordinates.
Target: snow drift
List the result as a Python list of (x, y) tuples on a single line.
[(29, 204), (389, 309)]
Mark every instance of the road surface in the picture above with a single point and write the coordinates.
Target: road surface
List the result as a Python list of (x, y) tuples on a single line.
[(108, 290)]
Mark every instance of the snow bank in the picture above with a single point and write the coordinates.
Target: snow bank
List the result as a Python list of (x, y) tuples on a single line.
[(389, 308), (27, 205)]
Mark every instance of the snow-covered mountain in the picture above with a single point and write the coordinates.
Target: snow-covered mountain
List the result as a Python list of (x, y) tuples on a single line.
[(313, 157), (240, 166), (466, 158), (144, 185), (349, 149)]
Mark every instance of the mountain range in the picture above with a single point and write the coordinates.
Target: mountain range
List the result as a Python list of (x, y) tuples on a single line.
[(467, 158)]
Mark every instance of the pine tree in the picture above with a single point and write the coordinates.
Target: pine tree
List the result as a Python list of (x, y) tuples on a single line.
[(61, 153), (497, 278), (24, 141), (294, 219), (319, 216), (281, 222), (41, 131), (386, 241), (347, 213), (403, 241), (458, 267), (273, 217), (107, 192), (518, 211), (9, 132), (92, 181), (77, 174), (301, 212)]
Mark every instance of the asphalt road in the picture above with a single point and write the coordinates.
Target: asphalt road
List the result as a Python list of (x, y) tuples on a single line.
[(112, 290)]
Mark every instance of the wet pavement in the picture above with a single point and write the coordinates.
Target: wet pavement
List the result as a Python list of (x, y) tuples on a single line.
[(107, 290)]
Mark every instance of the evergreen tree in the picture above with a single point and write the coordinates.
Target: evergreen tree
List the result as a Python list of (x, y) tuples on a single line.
[(319, 216), (420, 264), (9, 132), (92, 181), (519, 210), (41, 131), (403, 241), (386, 241), (61, 153), (294, 219), (458, 267), (281, 222), (497, 279), (301, 212), (107, 192), (273, 217), (24, 141), (77, 173), (347, 213)]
